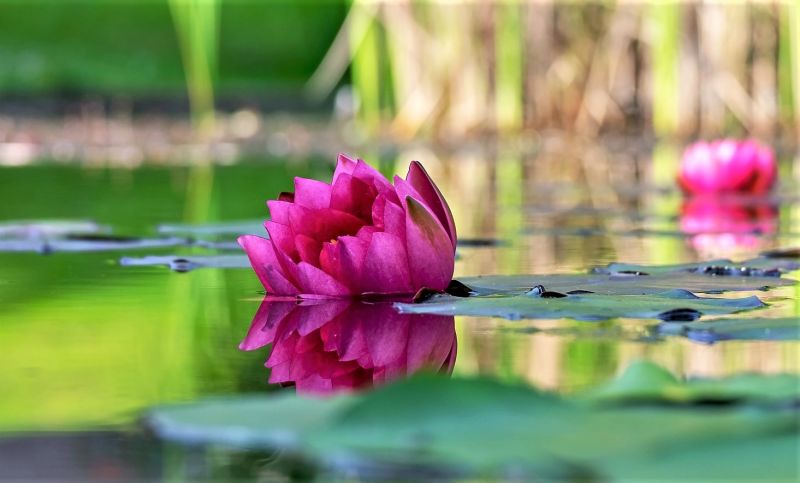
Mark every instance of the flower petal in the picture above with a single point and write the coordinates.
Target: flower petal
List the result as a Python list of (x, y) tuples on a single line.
[(323, 225), (308, 249), (261, 254), (353, 196), (312, 193), (419, 179), (283, 238), (314, 281), (370, 175), (386, 268), (344, 165), (279, 283), (430, 252), (279, 211)]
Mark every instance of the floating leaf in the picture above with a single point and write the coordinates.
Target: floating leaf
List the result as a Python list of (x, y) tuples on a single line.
[(236, 228), (49, 228), (87, 243), (756, 328), (755, 267), (491, 429), (671, 305), (188, 263), (647, 382), (632, 281)]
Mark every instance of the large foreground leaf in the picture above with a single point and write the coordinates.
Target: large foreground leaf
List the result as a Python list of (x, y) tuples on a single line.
[(674, 304), (755, 328), (647, 382), (492, 429)]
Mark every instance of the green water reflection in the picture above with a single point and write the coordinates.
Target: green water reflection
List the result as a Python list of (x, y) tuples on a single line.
[(86, 343)]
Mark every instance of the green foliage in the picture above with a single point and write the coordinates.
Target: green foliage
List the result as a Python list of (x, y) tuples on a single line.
[(130, 48)]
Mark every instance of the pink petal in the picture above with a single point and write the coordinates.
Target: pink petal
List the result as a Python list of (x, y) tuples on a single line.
[(283, 238), (308, 249), (279, 211), (323, 225), (261, 254), (430, 252), (347, 261), (311, 193), (377, 210), (352, 195), (420, 180), (394, 220), (344, 165), (279, 283), (314, 281), (386, 268), (371, 176)]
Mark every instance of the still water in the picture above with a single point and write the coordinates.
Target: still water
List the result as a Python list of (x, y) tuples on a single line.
[(86, 344)]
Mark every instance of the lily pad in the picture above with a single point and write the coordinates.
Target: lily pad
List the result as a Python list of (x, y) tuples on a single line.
[(755, 328), (647, 382), (670, 305), (87, 243), (179, 263), (235, 228), (40, 228), (490, 429), (627, 282)]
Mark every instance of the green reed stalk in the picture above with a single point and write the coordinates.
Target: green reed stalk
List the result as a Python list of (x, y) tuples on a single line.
[(197, 27), (366, 54), (509, 67), (664, 21), (789, 62)]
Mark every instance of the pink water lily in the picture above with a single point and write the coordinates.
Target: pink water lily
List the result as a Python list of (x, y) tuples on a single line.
[(358, 235), (326, 346), (727, 166)]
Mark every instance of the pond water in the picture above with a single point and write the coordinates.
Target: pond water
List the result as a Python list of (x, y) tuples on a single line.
[(87, 344)]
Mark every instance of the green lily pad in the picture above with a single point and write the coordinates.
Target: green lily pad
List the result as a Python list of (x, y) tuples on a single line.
[(490, 429), (647, 382), (671, 305), (756, 328), (623, 282)]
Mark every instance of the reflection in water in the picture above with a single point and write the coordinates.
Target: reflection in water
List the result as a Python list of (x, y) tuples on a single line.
[(726, 227), (325, 346)]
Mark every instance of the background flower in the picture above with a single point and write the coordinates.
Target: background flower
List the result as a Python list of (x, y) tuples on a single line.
[(727, 166), (360, 234), (322, 346)]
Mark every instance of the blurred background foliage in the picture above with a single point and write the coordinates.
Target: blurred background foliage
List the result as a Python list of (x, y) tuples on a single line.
[(436, 70)]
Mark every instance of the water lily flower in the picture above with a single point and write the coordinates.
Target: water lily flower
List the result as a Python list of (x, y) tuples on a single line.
[(358, 235), (334, 345), (727, 166)]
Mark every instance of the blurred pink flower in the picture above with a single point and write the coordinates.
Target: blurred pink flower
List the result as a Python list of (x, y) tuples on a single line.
[(324, 346), (722, 228), (727, 166), (358, 235)]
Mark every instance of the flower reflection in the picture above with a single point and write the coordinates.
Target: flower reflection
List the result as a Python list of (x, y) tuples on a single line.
[(325, 346), (721, 227)]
